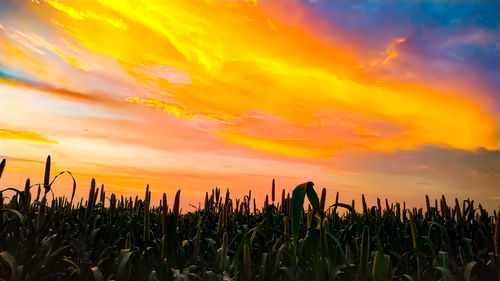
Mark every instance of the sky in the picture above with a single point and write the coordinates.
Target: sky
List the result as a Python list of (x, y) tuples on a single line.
[(383, 98)]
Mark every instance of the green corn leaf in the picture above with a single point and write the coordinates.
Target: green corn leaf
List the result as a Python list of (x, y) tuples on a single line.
[(414, 231), (96, 272), (297, 210), (408, 277), (496, 236), (336, 241), (444, 234), (365, 249), (381, 263), (469, 268), (445, 273), (178, 276), (345, 206), (15, 212), (312, 196), (122, 272), (443, 259), (223, 253), (128, 241), (152, 276), (473, 269), (11, 261), (76, 268)]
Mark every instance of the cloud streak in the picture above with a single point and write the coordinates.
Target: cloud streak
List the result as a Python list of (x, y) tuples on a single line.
[(24, 136)]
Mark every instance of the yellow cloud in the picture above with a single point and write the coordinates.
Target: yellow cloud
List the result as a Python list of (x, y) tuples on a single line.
[(82, 15), (170, 108), (286, 147), (24, 135)]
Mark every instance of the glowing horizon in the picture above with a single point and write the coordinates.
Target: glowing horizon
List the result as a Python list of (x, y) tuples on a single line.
[(189, 94)]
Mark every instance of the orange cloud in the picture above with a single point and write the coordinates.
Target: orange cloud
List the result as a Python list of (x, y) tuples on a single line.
[(220, 60), (238, 62)]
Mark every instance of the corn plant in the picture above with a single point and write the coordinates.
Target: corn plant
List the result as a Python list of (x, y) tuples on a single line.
[(300, 237)]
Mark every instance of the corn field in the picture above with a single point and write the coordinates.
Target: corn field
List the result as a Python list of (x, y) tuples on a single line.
[(106, 237)]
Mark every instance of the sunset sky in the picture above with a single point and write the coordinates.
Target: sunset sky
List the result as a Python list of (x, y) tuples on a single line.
[(385, 98)]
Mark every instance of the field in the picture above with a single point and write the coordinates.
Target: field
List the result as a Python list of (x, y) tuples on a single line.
[(106, 237)]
